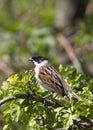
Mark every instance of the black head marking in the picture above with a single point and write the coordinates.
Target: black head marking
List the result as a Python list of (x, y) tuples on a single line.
[(38, 59)]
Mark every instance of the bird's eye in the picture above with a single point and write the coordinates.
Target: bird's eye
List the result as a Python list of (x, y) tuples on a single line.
[(39, 61)]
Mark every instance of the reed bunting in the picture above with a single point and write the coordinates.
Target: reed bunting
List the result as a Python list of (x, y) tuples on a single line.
[(49, 77)]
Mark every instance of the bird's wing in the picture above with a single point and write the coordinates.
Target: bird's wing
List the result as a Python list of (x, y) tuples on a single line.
[(50, 77)]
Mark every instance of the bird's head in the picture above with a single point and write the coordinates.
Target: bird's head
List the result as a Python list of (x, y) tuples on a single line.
[(38, 60)]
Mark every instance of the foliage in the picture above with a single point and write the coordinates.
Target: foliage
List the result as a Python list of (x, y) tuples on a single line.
[(30, 114), (27, 28), (85, 34)]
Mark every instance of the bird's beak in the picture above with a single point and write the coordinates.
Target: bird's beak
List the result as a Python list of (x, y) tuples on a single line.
[(30, 59), (32, 63)]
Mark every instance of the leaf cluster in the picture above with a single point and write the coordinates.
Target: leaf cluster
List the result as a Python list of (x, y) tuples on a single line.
[(27, 114)]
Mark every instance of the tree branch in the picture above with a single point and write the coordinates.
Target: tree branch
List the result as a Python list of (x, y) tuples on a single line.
[(63, 41), (30, 96), (83, 50), (48, 127), (86, 119), (44, 124)]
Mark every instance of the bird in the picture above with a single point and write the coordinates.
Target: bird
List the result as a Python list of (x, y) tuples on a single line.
[(50, 78)]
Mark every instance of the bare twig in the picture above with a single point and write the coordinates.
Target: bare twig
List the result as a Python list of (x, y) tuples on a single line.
[(43, 122), (60, 129), (86, 119), (42, 118), (30, 96), (48, 127), (65, 43), (79, 52)]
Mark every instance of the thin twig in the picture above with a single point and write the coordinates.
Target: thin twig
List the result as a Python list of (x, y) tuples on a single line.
[(30, 96), (66, 44), (48, 127), (44, 124), (60, 129), (79, 52), (86, 119), (42, 118)]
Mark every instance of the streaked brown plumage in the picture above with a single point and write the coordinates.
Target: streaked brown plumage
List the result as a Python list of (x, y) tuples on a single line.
[(50, 77)]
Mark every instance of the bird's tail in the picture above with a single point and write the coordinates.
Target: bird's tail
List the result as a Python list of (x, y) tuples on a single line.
[(76, 96)]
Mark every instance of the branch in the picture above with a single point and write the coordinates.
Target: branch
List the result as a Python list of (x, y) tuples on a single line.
[(66, 45), (44, 124), (30, 96), (79, 52), (48, 127), (86, 119), (83, 124)]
